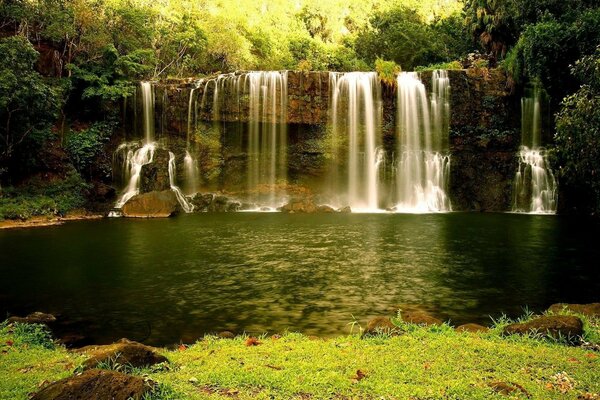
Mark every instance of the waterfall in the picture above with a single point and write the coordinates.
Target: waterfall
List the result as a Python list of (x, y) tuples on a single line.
[(422, 165), (265, 95), (356, 115), (134, 162), (190, 167), (535, 188), (183, 201), (267, 133), (190, 172), (148, 110)]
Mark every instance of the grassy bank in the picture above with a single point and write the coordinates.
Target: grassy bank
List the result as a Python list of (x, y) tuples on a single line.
[(422, 363)]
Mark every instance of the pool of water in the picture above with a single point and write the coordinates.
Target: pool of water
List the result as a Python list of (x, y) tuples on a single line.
[(163, 281)]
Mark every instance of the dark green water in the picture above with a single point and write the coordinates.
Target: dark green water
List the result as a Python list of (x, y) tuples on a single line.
[(163, 281)]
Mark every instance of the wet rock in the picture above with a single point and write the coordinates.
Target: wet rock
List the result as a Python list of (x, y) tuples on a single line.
[(226, 335), (420, 317), (304, 205), (345, 210), (152, 205), (201, 201), (219, 204), (234, 206), (380, 325), (324, 208), (154, 177), (590, 310), (555, 326), (248, 207), (124, 352), (96, 384), (35, 318), (474, 328)]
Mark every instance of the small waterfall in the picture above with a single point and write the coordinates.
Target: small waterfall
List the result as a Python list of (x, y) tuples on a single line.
[(265, 95), (356, 114), (535, 188), (190, 172), (134, 162), (190, 167), (423, 166), (183, 201), (148, 110)]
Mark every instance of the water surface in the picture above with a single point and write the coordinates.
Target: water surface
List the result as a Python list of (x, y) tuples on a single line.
[(175, 279)]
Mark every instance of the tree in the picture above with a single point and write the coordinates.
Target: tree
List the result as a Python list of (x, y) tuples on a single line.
[(577, 153), (28, 104)]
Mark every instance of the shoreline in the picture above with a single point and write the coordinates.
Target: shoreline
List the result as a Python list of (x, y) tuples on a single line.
[(41, 221)]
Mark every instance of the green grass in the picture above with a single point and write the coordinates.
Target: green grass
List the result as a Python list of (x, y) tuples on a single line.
[(422, 363), (40, 198)]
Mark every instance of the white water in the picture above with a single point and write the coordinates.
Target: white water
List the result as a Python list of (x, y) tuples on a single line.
[(265, 95), (136, 157), (148, 110), (134, 163), (356, 115), (535, 187), (183, 201), (190, 173), (423, 165)]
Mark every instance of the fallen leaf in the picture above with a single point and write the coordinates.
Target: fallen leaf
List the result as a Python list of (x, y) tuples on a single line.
[(9, 342), (252, 341), (182, 347), (574, 360), (360, 375), (274, 367)]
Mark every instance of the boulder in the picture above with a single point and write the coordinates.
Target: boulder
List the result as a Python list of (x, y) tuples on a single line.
[(473, 328), (219, 204), (34, 318), (152, 205), (380, 325), (555, 326), (299, 205), (154, 177), (234, 206), (201, 201), (345, 210), (420, 317), (124, 352), (324, 208), (589, 310), (96, 384)]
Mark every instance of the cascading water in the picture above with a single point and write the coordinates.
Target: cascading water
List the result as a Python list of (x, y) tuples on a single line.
[(266, 95), (134, 157), (148, 110), (535, 188), (135, 161), (183, 201), (422, 166), (190, 166), (356, 114)]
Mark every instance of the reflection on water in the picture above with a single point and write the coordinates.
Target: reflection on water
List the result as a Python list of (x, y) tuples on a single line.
[(167, 280)]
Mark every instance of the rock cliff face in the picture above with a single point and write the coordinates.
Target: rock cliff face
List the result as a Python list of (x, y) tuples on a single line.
[(484, 133)]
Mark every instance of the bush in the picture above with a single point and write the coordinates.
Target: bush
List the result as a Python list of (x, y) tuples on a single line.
[(85, 146), (40, 198), (577, 152), (387, 71)]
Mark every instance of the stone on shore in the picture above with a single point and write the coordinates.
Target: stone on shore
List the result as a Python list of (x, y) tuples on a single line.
[(124, 352), (152, 205)]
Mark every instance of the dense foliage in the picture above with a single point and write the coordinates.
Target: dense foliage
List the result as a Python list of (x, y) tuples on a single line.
[(28, 104), (578, 136), (68, 62)]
